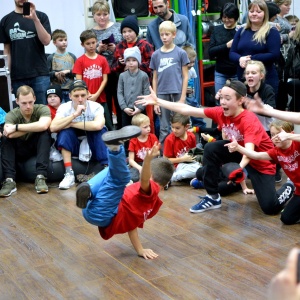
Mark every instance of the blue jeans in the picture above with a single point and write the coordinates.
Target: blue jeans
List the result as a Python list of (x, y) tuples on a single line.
[(38, 84), (107, 189), (220, 80), (68, 139), (65, 96)]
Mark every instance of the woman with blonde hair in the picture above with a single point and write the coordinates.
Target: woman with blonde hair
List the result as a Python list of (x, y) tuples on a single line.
[(257, 41)]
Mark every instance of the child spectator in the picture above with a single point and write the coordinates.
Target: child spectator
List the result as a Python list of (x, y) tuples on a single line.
[(292, 19), (286, 153), (115, 208), (60, 63), (93, 69), (130, 32), (132, 83), (170, 74), (54, 97), (190, 92), (255, 74), (177, 145), (140, 145)]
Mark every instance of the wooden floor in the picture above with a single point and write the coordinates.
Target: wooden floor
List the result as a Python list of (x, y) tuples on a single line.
[(48, 251)]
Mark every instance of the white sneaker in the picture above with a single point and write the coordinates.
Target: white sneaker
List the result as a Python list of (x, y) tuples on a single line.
[(67, 182)]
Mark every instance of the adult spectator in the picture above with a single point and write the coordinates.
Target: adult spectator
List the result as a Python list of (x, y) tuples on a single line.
[(25, 135), (220, 44), (164, 13), (108, 35), (257, 41), (24, 38), (76, 118)]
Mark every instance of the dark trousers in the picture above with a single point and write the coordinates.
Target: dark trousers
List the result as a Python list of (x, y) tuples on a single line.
[(291, 213), (68, 139), (20, 150), (111, 96), (215, 155)]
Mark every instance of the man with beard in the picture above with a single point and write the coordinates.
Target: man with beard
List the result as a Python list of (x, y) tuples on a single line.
[(164, 13)]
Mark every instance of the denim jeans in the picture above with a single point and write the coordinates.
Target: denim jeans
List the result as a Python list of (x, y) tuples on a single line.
[(220, 80), (38, 84), (107, 189)]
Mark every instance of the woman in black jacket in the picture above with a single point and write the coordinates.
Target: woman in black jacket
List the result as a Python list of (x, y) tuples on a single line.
[(220, 44)]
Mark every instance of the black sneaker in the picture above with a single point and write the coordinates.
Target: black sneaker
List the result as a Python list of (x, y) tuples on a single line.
[(83, 194), (118, 137)]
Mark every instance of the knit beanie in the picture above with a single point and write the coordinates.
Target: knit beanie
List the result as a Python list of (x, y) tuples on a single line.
[(273, 9), (131, 22), (133, 52), (54, 89)]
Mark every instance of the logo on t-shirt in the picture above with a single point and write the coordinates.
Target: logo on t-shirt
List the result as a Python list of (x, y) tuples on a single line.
[(92, 72), (146, 214), (142, 153), (231, 131), (18, 34), (165, 63)]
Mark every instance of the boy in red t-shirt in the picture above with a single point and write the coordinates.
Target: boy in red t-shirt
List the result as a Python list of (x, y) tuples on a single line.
[(116, 208), (177, 145), (286, 153), (139, 146), (93, 68), (234, 121)]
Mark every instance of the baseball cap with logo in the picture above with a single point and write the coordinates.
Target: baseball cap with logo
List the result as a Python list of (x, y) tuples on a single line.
[(78, 84)]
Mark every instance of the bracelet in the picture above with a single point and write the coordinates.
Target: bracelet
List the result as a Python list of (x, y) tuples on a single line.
[(210, 139), (17, 127)]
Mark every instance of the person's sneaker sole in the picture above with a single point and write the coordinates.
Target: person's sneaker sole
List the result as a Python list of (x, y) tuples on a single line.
[(116, 136), (42, 191), (83, 193), (66, 187), (7, 195)]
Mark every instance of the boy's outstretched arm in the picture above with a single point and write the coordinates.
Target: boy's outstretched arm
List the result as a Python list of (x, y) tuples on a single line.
[(146, 169), (182, 108), (234, 146), (258, 107), (135, 240)]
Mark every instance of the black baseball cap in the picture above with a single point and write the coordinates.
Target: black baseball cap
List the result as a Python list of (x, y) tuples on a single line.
[(78, 84), (236, 85)]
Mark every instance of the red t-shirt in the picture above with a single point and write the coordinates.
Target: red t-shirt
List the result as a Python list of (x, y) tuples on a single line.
[(140, 148), (289, 159), (134, 209), (176, 147), (52, 111), (246, 128), (92, 71)]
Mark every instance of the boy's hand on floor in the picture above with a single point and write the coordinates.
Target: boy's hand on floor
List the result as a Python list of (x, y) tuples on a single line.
[(148, 254)]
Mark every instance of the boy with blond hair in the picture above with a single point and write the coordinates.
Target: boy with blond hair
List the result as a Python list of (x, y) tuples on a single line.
[(60, 63), (140, 145), (170, 74)]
